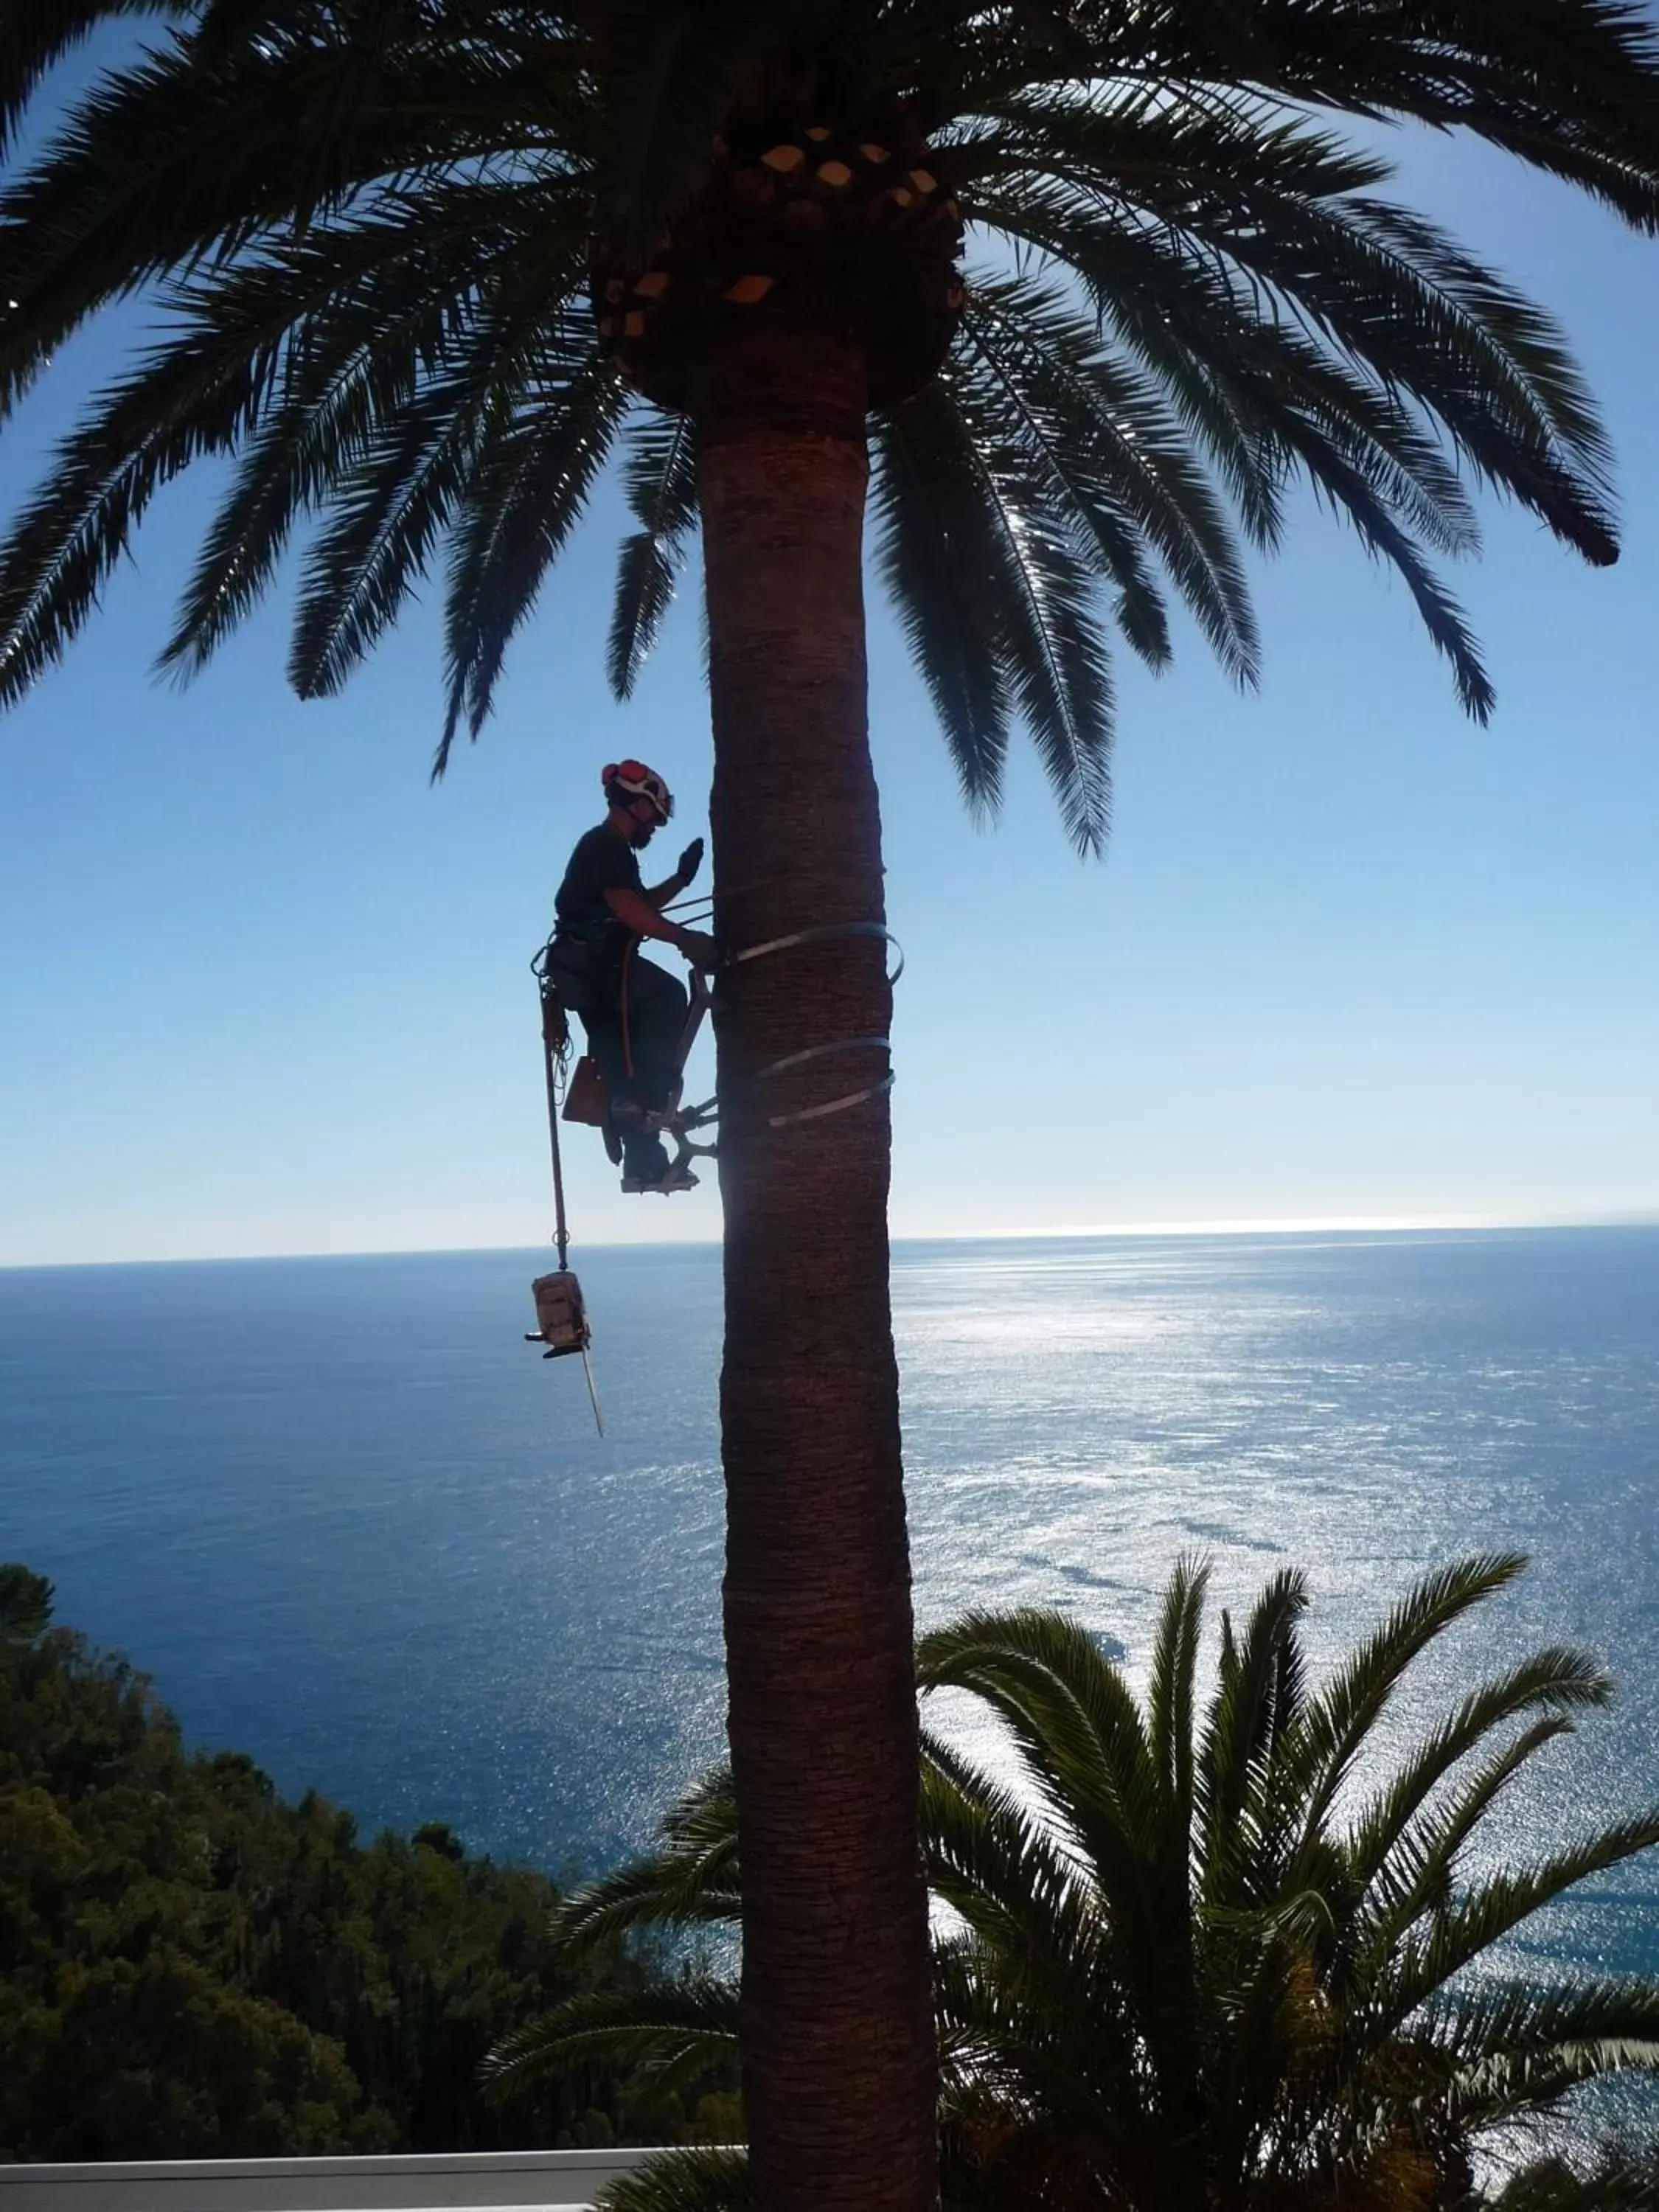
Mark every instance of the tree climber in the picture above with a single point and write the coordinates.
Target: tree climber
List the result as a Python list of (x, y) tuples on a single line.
[(633, 1011)]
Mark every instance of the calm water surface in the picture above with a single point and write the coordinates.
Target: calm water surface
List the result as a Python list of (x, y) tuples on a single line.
[(353, 1525)]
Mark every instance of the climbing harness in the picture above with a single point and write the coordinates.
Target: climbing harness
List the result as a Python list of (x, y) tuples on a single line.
[(561, 1322), (580, 1095)]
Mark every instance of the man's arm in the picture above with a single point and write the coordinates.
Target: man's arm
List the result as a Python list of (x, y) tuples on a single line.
[(640, 912), (635, 911)]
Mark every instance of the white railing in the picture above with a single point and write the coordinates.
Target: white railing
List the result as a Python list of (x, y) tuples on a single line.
[(479, 2181)]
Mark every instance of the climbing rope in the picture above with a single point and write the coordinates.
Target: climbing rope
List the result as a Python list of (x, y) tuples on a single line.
[(561, 1309), (556, 1053)]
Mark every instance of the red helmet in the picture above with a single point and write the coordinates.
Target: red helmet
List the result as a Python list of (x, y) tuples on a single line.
[(631, 784)]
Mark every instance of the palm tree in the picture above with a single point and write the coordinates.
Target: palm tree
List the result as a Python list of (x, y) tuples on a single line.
[(1191, 1961), (419, 268)]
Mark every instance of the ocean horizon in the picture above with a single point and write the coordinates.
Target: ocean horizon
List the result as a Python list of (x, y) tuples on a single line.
[(1366, 1224)]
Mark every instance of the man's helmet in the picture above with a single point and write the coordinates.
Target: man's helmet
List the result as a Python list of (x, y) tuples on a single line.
[(631, 784)]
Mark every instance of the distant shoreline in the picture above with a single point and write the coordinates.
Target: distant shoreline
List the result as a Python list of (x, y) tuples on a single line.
[(1447, 1224)]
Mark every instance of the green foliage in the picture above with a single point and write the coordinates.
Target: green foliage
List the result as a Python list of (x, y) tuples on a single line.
[(365, 229), (1618, 2183), (25, 1605), (191, 1966), (1200, 1954)]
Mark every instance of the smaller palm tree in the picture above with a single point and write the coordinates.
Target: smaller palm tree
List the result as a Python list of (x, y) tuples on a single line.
[(1206, 1960)]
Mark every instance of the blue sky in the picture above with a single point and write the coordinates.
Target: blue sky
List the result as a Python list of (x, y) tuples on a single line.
[(1349, 958)]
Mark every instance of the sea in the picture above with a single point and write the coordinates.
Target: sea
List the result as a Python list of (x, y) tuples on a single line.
[(352, 1524)]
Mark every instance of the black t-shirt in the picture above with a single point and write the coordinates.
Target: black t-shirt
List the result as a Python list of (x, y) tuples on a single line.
[(602, 862)]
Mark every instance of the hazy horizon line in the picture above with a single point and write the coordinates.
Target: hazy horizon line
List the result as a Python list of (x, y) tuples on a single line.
[(1283, 1225)]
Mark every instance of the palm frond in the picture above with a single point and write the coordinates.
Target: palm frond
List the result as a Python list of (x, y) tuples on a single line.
[(660, 476), (1336, 1725), (1348, 488), (1416, 1877), (1007, 2050), (1258, 388), (1566, 84), (990, 1862), (930, 538), (394, 335), (701, 2179), (676, 2030), (180, 163), (183, 403), (1171, 1708), (1489, 1910), (1556, 1680), (35, 37), (1102, 534), (528, 486), (1239, 1737), (1276, 217), (1520, 2049), (1066, 1705), (387, 515), (1084, 1750), (690, 1881), (1048, 643), (1119, 459), (1181, 325), (1131, 141)]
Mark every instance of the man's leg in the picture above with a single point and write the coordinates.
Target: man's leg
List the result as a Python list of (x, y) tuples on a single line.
[(657, 1007), (654, 1007), (639, 1069), (604, 1042)]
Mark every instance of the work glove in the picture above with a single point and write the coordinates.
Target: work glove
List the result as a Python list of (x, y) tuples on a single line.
[(690, 860), (701, 952)]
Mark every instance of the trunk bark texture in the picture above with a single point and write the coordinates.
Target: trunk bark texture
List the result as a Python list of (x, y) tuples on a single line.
[(838, 2055)]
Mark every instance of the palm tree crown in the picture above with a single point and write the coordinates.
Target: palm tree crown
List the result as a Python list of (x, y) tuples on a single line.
[(422, 266), (1197, 1955)]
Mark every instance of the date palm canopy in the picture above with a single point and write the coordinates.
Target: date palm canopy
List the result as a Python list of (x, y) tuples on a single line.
[(423, 267)]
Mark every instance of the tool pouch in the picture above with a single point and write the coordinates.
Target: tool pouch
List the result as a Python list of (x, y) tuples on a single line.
[(584, 1101)]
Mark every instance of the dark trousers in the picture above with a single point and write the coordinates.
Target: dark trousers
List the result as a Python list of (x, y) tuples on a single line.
[(656, 1005)]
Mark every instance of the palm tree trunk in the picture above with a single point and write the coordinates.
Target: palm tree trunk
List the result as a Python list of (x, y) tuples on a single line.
[(838, 2059)]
